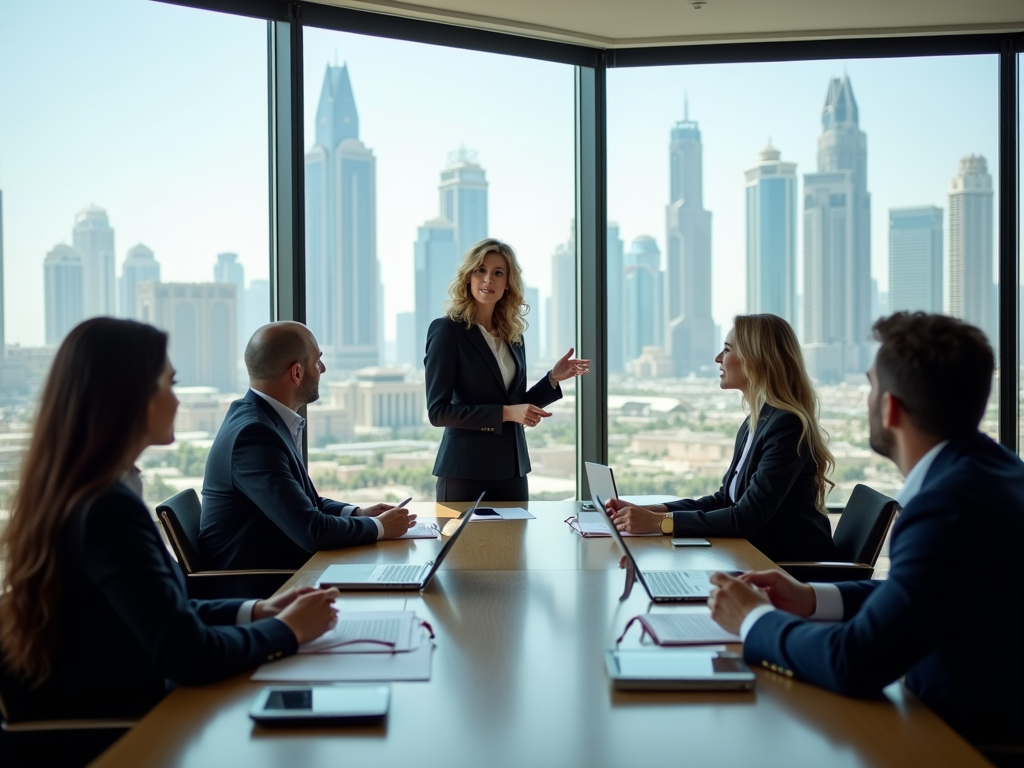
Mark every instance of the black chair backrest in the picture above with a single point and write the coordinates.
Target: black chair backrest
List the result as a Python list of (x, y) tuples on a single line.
[(863, 524), (180, 515)]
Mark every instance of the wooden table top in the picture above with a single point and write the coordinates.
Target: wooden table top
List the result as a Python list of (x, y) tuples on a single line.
[(523, 611)]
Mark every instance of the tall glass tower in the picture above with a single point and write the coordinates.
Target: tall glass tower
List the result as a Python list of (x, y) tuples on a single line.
[(435, 261), (971, 290), (140, 266), (93, 240), (644, 290), (463, 193), (915, 259), (837, 243), (342, 272), (691, 327), (63, 277), (616, 315), (771, 236)]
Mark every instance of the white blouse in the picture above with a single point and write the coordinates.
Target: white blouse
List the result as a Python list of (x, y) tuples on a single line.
[(740, 465), (502, 353)]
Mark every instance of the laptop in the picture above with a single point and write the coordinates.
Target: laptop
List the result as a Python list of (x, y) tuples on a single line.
[(371, 576), (593, 523), (662, 586)]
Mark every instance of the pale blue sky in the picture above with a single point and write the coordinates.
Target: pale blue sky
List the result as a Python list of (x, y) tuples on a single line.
[(158, 113)]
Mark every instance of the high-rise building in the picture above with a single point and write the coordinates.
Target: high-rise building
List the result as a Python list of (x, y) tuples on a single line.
[(140, 266), (229, 270), (257, 310), (837, 243), (463, 192), (342, 272), (771, 236), (971, 290), (3, 336), (644, 297), (93, 240), (561, 319), (406, 350), (531, 338), (915, 259), (63, 279), (435, 261), (691, 327), (616, 315), (200, 320)]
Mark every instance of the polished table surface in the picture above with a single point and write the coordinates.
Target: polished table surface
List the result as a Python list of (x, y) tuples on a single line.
[(523, 611)]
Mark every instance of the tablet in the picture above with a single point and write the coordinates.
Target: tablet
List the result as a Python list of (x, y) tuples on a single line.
[(684, 669), (320, 704)]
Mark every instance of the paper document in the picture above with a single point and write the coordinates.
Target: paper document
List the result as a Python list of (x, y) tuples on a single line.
[(506, 513), (349, 667), (684, 629), (369, 632), (424, 529)]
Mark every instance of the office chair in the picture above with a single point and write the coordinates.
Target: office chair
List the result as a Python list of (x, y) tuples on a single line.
[(858, 539), (179, 517)]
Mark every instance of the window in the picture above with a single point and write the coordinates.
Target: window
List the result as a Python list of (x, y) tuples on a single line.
[(134, 183), (407, 167), (826, 192)]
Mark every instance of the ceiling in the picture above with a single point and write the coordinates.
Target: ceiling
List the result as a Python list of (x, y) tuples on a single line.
[(620, 23)]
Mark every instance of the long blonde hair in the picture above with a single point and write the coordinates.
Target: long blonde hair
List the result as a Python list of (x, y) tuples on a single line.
[(510, 310), (774, 367), (91, 417)]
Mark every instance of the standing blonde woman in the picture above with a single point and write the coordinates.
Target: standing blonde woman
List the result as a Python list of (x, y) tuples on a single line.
[(774, 492), (476, 380)]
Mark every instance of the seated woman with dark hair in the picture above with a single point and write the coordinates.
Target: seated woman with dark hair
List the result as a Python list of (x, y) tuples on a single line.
[(94, 618)]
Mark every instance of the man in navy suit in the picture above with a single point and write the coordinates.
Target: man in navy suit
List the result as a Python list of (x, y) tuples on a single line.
[(260, 509), (950, 616)]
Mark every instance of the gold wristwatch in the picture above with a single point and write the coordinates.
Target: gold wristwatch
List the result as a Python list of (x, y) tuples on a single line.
[(668, 526)]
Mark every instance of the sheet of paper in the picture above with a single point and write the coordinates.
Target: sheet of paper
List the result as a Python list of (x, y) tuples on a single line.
[(349, 667), (506, 513), (398, 627), (427, 528)]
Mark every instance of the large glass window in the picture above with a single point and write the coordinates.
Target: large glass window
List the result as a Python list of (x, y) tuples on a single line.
[(133, 175), (826, 192), (413, 153)]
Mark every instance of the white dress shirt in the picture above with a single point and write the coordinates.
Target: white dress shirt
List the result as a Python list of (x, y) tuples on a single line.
[(296, 424), (502, 353), (740, 465), (829, 600)]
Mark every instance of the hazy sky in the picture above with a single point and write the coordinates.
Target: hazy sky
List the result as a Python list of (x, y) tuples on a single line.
[(159, 114)]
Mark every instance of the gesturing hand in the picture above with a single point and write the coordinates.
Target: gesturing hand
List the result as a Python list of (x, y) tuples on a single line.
[(731, 601), (527, 414), (785, 592), (311, 614), (569, 366)]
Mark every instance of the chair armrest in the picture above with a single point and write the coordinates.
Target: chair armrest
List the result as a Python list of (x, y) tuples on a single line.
[(67, 725), (828, 572)]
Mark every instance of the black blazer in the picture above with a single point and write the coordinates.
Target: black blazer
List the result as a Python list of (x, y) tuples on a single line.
[(260, 509), (775, 494), (465, 395), (126, 632), (950, 615)]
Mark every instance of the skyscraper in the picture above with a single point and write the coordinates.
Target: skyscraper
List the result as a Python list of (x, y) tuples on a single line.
[(691, 327), (435, 261), (229, 270), (342, 272), (93, 240), (63, 280), (3, 336), (200, 320), (971, 291), (837, 243), (561, 319), (257, 309), (771, 236), (463, 193), (406, 350), (140, 266), (915, 259), (531, 339), (616, 316), (644, 297)]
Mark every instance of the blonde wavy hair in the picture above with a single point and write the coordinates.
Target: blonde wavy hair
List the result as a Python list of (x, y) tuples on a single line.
[(774, 366), (511, 309)]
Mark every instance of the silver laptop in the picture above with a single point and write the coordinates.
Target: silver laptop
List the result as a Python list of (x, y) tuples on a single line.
[(662, 586), (595, 522), (397, 576)]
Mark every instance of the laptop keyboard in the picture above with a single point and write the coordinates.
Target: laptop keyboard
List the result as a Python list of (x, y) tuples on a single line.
[(668, 583), (399, 574)]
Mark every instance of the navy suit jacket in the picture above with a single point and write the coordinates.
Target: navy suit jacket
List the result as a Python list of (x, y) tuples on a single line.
[(465, 395), (774, 508), (126, 631), (950, 616), (260, 509)]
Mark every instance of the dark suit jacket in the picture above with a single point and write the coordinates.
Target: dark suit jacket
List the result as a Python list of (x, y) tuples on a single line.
[(126, 630), (775, 494), (260, 509), (951, 613), (465, 395)]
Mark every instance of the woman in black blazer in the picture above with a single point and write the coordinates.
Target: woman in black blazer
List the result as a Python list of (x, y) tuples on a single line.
[(774, 491), (476, 380), (94, 619)]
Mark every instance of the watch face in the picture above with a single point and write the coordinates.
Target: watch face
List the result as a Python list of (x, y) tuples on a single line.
[(667, 524)]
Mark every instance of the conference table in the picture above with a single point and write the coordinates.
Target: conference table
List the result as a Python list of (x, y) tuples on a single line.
[(523, 611)]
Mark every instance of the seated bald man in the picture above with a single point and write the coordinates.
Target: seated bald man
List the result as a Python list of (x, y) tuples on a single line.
[(260, 509)]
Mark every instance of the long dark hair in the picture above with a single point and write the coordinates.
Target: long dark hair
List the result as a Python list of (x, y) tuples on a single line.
[(92, 417)]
